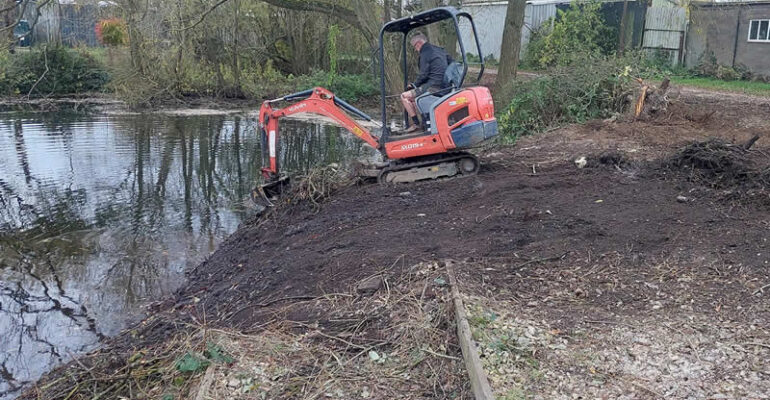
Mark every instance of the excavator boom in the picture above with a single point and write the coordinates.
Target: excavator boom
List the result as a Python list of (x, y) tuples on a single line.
[(315, 101)]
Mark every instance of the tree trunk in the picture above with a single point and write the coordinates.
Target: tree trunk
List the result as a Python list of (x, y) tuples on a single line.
[(509, 53), (236, 65), (449, 39), (432, 30), (622, 36), (135, 35), (387, 6), (9, 18)]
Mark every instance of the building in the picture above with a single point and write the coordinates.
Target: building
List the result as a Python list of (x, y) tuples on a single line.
[(735, 34), (489, 16), (66, 21)]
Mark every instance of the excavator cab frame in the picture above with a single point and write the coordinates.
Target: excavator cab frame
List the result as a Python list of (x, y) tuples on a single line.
[(406, 25)]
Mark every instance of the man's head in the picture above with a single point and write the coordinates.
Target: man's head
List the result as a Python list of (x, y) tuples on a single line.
[(417, 40)]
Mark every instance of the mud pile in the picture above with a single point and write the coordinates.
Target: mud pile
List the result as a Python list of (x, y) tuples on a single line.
[(740, 173)]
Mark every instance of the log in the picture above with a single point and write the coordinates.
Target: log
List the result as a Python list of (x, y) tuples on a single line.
[(479, 382)]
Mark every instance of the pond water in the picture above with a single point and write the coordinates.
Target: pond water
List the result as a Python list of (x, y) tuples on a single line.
[(101, 215)]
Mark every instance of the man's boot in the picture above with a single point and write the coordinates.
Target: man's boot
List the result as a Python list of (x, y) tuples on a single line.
[(414, 126)]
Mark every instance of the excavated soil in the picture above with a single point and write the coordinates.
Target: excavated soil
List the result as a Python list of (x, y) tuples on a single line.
[(528, 200), (631, 239)]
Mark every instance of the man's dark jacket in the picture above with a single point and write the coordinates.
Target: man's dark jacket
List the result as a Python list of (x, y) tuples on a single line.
[(433, 64)]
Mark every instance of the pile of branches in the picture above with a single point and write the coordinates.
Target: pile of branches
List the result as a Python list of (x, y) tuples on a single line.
[(721, 165), (391, 339), (318, 184)]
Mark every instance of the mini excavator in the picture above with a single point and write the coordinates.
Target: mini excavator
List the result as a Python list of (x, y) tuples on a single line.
[(453, 120)]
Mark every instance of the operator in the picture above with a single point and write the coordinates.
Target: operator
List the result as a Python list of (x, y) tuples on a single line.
[(433, 64)]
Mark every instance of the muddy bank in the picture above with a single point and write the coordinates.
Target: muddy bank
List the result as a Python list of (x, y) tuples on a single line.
[(108, 104), (105, 103), (568, 258)]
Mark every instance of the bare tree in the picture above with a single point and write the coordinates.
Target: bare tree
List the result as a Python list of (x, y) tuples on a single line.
[(10, 18)]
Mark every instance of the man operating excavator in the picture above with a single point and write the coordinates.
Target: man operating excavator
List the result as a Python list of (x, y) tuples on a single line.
[(433, 64)]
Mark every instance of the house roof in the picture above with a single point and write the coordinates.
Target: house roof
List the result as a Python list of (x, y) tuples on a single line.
[(533, 2), (539, 2), (722, 3)]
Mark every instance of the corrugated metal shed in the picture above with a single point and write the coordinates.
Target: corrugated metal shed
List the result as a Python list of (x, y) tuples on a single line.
[(490, 19), (664, 31)]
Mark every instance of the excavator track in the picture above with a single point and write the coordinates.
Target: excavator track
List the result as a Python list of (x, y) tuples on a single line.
[(430, 167)]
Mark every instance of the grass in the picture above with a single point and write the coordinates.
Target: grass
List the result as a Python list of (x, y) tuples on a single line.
[(747, 87)]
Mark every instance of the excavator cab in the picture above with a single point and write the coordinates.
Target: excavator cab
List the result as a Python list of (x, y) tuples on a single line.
[(454, 77), (426, 102)]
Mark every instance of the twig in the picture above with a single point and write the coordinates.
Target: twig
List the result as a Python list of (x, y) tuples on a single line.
[(45, 57), (645, 388), (609, 323), (540, 260), (751, 142), (441, 355), (271, 302), (762, 289), (767, 346), (349, 343)]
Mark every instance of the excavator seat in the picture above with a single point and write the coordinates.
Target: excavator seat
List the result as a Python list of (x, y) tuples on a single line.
[(428, 101)]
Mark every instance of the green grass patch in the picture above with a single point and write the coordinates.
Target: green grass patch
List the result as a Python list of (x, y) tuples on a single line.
[(747, 87)]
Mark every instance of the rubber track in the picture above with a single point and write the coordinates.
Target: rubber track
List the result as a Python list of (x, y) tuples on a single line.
[(427, 161)]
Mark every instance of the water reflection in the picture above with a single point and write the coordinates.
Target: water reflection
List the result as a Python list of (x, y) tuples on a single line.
[(100, 214)]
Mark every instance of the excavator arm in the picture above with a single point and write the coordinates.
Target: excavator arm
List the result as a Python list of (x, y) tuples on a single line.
[(315, 101)]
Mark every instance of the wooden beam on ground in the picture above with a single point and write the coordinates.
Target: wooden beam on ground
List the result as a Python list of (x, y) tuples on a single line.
[(479, 382)]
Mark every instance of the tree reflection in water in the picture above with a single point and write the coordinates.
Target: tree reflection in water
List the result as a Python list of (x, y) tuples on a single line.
[(101, 214)]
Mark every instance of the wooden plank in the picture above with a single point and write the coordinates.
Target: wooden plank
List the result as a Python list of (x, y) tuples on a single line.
[(479, 382)]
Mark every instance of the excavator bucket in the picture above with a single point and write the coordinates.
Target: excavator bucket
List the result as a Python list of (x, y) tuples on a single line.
[(270, 191)]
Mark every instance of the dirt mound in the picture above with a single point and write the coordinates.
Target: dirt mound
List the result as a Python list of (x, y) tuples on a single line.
[(721, 165), (610, 158)]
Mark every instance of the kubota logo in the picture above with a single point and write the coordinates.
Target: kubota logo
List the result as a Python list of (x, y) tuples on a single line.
[(411, 146), (297, 107)]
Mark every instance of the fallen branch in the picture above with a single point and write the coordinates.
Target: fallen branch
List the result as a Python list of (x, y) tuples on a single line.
[(479, 382), (751, 142), (45, 57)]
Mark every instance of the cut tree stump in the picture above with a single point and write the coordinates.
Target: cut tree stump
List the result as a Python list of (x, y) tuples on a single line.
[(652, 100)]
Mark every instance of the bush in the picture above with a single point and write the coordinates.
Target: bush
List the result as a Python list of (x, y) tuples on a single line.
[(348, 87), (51, 71), (592, 87), (578, 31), (266, 82), (112, 32)]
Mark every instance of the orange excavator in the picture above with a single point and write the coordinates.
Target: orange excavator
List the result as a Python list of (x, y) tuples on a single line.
[(453, 120)]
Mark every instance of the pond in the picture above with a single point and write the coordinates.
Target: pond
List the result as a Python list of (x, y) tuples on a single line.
[(101, 215)]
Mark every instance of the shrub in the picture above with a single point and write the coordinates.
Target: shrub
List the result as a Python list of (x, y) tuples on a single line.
[(266, 82), (112, 32), (51, 71), (577, 31), (348, 87), (593, 87)]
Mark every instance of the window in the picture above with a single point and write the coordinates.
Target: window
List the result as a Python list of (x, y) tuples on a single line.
[(759, 30)]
